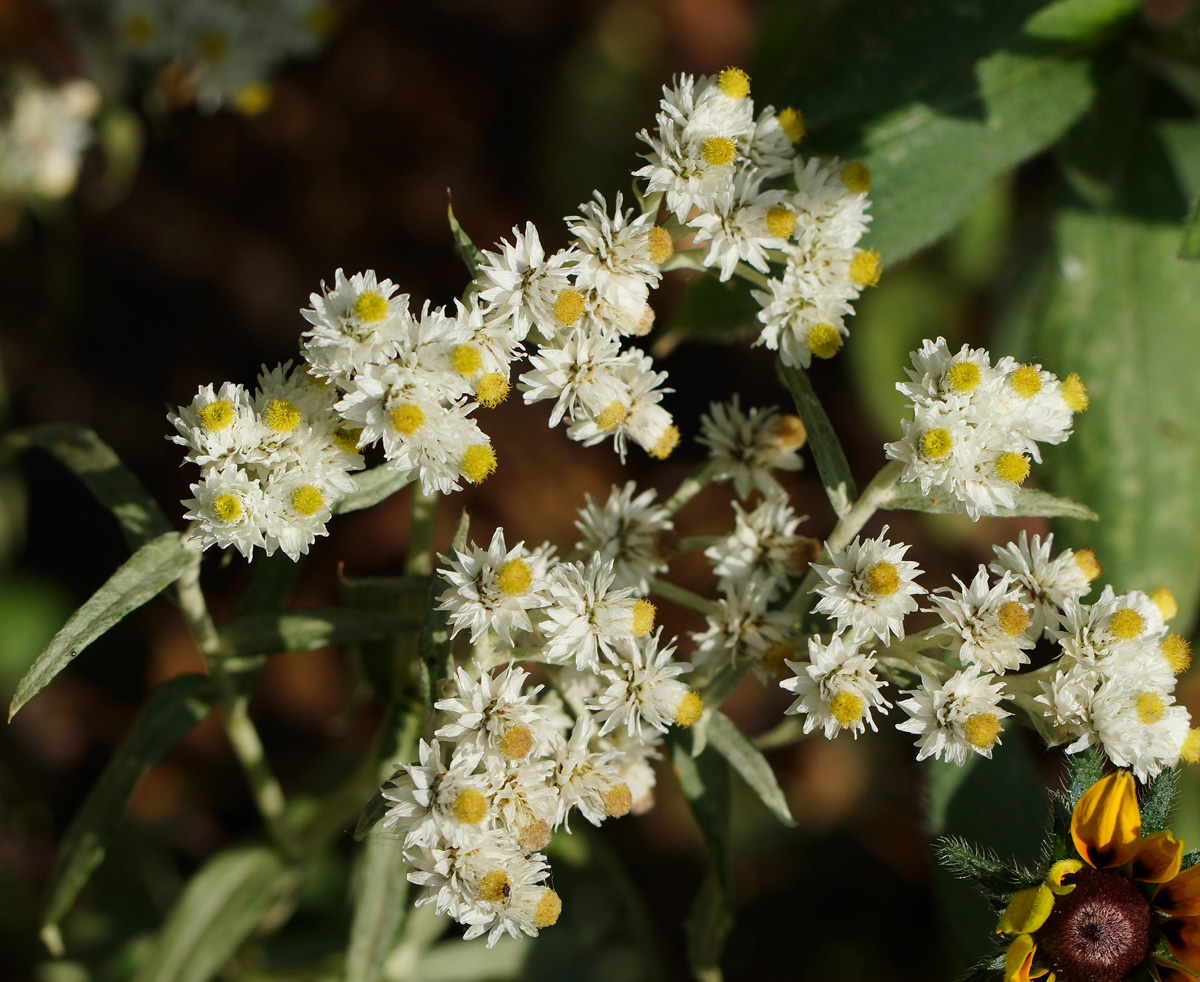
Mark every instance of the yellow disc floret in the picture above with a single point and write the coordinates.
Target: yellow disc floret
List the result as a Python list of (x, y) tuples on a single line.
[(660, 245), (252, 99), (1178, 652), (791, 121), (535, 835), (227, 507), (1126, 624), (689, 709), (515, 577), (281, 415), (665, 444), (1165, 601), (470, 806), (823, 340), (478, 462), (494, 886), (346, 439), (612, 416), (865, 267), (370, 307), (734, 83), (307, 500), (407, 419), (216, 415), (467, 360), (643, 617), (857, 177), (781, 222), (936, 443), (1026, 381), (1013, 618), (1088, 564), (491, 390), (1012, 467), (617, 801), (1189, 753), (963, 377), (982, 730), (882, 579), (719, 150), (516, 742), (1074, 393), (774, 657), (547, 910), (788, 432), (1151, 707), (568, 307), (846, 708)]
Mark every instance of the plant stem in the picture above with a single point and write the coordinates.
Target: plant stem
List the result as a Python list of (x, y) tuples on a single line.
[(691, 486), (685, 598), (420, 536), (247, 745)]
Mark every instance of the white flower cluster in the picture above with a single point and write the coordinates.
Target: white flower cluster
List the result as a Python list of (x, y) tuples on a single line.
[(711, 155), (1113, 662), (226, 50), (272, 462), (975, 426), (43, 136), (475, 819)]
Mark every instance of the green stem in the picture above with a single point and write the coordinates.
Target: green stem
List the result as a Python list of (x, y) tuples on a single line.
[(420, 536), (875, 495), (751, 275), (695, 543), (235, 714), (685, 598), (691, 486)]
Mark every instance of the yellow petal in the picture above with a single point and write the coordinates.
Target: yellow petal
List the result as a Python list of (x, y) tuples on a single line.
[(1106, 824), (1183, 938), (1158, 858), (1027, 911), (1181, 895), (1018, 959), (1064, 867)]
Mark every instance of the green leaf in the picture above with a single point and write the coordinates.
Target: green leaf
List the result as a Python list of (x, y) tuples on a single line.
[(168, 715), (996, 878), (100, 469), (1030, 501), (308, 630), (745, 758), (827, 450), (218, 910), (146, 573), (1156, 802), (382, 893), (374, 486), (712, 309), (1189, 248), (1076, 20), (462, 242)]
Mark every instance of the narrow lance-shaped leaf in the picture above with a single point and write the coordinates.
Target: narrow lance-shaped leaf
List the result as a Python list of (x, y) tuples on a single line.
[(374, 486), (1030, 502), (746, 759), (379, 907), (168, 715), (462, 242), (93, 461), (218, 910), (146, 573), (826, 448), (308, 630)]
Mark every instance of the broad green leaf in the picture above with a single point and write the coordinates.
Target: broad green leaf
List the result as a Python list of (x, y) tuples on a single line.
[(1190, 247), (308, 630), (1030, 501), (827, 450), (710, 308), (374, 486), (168, 715), (146, 573), (382, 893), (1075, 20), (745, 758), (218, 910), (462, 242), (94, 463)]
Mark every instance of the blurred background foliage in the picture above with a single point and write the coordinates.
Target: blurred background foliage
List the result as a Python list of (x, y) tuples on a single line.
[(1035, 172)]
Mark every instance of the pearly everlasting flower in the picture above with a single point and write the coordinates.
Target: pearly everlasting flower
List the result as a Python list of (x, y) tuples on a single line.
[(763, 550), (521, 284), (633, 765), (869, 588), (613, 253), (580, 373), (631, 531), (589, 780), (229, 509), (357, 323), (436, 801), (45, 135), (642, 692), (744, 447), (587, 614), (1138, 726), (493, 714), (957, 717), (525, 797), (987, 622), (741, 628), (492, 590), (836, 689), (1045, 583), (737, 229)]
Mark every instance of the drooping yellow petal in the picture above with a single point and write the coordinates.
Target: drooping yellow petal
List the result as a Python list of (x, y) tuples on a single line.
[(1027, 911), (1158, 858), (1180, 897), (1183, 938), (1106, 824), (1054, 879), (1018, 959)]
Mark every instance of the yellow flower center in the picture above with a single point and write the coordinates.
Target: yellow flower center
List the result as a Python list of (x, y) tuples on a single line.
[(689, 709), (515, 577), (346, 439), (788, 432), (982, 730), (660, 245), (407, 419), (1150, 708), (547, 910), (1012, 467), (281, 415), (781, 222), (1178, 653), (719, 150), (307, 500), (823, 340), (470, 806), (857, 177), (1013, 618), (535, 835), (882, 579), (491, 390), (494, 886), (846, 708), (774, 657), (643, 617), (1126, 624), (516, 742), (568, 307), (791, 121), (937, 443), (467, 360), (252, 99), (1164, 600), (478, 462), (370, 307), (1074, 393), (216, 415), (865, 267), (613, 416), (734, 83), (963, 377), (1190, 751), (227, 507), (665, 444), (1026, 381), (1088, 564), (617, 801)]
